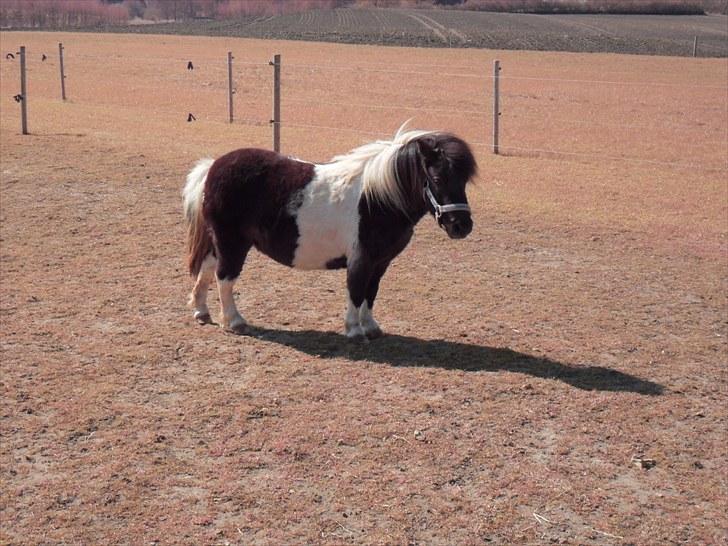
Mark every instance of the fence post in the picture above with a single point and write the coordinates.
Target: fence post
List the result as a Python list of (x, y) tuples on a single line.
[(63, 75), (496, 105), (23, 93), (230, 84), (276, 121), (695, 47)]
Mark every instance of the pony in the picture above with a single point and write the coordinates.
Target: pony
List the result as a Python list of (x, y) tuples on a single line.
[(357, 211)]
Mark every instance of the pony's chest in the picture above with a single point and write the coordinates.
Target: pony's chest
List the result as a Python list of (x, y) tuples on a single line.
[(328, 223)]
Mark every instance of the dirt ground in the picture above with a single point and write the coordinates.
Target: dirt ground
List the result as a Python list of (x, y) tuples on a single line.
[(557, 377), (636, 34)]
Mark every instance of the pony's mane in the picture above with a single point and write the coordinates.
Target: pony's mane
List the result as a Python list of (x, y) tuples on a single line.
[(376, 165)]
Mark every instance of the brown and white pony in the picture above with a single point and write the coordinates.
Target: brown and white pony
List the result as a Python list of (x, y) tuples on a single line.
[(356, 212)]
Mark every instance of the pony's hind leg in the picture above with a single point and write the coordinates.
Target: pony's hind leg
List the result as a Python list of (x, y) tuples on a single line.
[(231, 319), (198, 296), (230, 260)]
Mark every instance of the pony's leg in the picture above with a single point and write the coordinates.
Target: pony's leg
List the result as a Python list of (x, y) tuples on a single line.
[(231, 318), (352, 326), (198, 297), (230, 259), (357, 280), (366, 320)]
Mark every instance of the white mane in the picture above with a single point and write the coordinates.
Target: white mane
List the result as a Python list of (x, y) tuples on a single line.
[(375, 164)]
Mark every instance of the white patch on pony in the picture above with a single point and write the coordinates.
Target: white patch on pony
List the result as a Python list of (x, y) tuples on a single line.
[(231, 319), (328, 218)]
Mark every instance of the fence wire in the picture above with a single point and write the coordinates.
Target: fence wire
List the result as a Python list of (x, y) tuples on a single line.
[(216, 68)]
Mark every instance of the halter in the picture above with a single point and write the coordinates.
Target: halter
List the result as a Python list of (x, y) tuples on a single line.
[(440, 209)]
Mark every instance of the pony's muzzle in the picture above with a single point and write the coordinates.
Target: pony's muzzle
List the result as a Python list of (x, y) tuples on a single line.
[(457, 226)]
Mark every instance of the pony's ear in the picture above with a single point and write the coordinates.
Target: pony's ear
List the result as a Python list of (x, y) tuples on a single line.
[(429, 151)]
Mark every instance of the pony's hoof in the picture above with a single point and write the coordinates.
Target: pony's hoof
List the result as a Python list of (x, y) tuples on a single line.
[(356, 333), (237, 326), (374, 333), (239, 329), (203, 318)]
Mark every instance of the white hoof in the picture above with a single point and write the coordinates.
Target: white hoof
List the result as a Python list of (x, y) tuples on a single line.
[(355, 332), (236, 325), (373, 332), (203, 316)]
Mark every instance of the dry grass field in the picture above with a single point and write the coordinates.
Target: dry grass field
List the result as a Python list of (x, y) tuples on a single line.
[(557, 377)]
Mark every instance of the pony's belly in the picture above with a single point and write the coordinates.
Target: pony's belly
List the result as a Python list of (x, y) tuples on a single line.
[(320, 251)]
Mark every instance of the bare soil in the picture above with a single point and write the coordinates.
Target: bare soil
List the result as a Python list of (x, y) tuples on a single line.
[(635, 34), (557, 377)]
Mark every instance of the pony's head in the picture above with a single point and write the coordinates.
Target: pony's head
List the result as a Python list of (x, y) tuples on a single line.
[(432, 170), (416, 172)]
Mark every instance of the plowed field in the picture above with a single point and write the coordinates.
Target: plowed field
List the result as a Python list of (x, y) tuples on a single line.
[(639, 34), (557, 377)]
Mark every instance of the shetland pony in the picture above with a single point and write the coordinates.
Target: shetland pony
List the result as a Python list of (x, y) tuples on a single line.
[(356, 212)]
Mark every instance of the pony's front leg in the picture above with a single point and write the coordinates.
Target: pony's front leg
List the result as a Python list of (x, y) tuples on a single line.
[(357, 280), (370, 326), (362, 281), (352, 326)]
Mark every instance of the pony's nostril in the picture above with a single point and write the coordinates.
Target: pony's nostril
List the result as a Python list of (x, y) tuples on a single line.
[(467, 226), (459, 230)]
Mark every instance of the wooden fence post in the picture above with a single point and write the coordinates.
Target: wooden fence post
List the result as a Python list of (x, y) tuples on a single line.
[(496, 104), (63, 74), (276, 121), (230, 85), (23, 93)]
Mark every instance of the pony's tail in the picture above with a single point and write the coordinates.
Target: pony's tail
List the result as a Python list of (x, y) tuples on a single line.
[(199, 242)]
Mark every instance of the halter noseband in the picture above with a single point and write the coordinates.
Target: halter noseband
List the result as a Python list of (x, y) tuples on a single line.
[(438, 208)]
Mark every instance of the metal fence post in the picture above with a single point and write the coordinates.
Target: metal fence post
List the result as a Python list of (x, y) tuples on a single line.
[(496, 104), (230, 84), (276, 121), (63, 74), (23, 93), (695, 47)]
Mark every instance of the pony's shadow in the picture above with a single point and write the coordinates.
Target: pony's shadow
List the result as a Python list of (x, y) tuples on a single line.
[(405, 351)]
